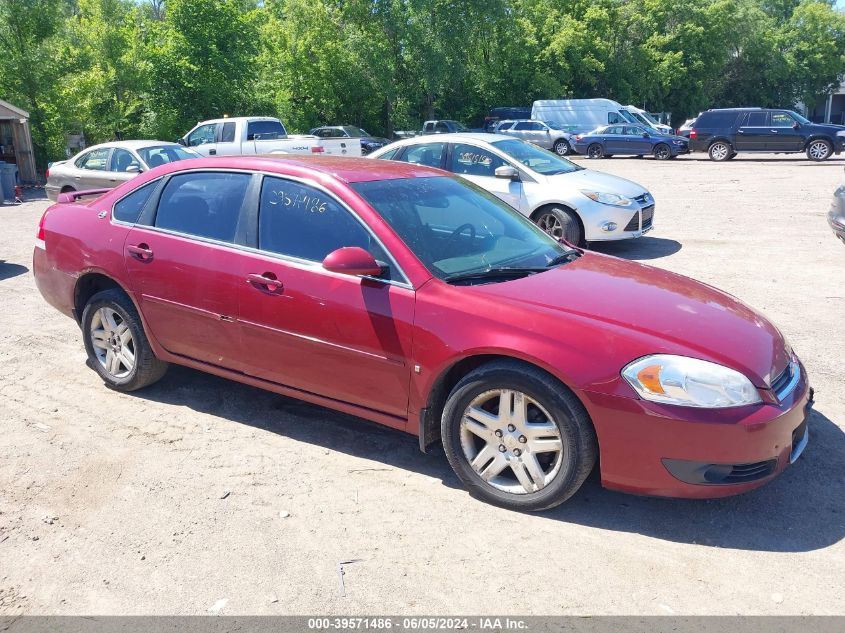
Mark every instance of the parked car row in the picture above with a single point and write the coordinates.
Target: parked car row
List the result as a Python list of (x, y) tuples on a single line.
[(412, 297)]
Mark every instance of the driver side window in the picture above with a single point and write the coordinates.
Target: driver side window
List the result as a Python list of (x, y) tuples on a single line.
[(469, 160), (782, 119), (202, 135)]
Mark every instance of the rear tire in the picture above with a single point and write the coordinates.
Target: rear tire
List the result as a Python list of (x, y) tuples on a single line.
[(561, 223), (542, 413), (562, 147), (719, 151), (819, 150), (662, 151), (117, 347), (595, 150)]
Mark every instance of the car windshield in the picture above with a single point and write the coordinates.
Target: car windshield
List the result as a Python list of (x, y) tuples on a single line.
[(162, 154), (459, 127), (456, 228), (534, 158), (555, 126), (799, 118), (354, 132)]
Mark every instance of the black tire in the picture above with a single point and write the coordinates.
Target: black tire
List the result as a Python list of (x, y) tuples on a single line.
[(595, 150), (719, 151), (561, 147), (662, 151), (147, 368), (580, 446), (67, 189), (819, 150), (561, 223), (732, 156)]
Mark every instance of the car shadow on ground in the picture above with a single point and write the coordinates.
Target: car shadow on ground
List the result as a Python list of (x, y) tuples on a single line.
[(642, 248), (7, 270), (801, 510)]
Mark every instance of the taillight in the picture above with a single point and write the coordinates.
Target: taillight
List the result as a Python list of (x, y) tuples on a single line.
[(318, 149), (693, 133), (47, 173), (40, 234), (579, 137)]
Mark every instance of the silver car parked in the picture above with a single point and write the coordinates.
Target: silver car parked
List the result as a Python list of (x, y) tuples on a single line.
[(108, 165), (546, 135)]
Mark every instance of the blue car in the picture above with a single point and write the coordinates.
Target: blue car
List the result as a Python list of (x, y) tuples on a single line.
[(632, 140)]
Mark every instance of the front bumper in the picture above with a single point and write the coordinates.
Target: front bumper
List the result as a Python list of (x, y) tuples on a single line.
[(630, 222), (836, 220), (648, 448)]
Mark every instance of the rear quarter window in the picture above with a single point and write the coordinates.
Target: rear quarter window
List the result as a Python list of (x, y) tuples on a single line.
[(128, 209), (717, 119)]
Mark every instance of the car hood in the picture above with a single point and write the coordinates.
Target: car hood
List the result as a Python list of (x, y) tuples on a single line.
[(597, 181), (374, 139), (824, 127), (661, 312)]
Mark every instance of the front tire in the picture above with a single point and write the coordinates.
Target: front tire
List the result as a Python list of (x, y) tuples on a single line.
[(719, 151), (819, 150), (561, 224), (517, 438), (562, 147), (117, 347), (662, 151), (595, 150)]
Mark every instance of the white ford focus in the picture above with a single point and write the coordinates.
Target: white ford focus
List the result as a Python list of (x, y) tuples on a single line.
[(566, 200)]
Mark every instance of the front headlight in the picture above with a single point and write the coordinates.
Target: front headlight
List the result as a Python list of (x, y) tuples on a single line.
[(689, 382), (608, 198), (840, 133)]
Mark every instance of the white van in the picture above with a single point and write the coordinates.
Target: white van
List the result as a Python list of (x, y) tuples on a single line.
[(581, 115), (646, 119)]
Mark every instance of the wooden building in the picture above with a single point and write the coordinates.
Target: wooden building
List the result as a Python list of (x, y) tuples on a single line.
[(16, 141)]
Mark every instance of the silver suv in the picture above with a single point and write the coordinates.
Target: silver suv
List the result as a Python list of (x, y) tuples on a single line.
[(546, 135)]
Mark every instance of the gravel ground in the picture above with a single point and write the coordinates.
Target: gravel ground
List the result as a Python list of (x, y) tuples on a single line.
[(200, 495)]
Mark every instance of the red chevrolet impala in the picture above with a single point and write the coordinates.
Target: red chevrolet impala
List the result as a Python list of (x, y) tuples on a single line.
[(407, 296)]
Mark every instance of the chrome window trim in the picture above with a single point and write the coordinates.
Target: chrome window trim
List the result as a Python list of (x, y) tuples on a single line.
[(297, 262)]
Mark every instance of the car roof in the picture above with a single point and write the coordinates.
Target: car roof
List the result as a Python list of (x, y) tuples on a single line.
[(345, 169), (454, 137), (132, 144)]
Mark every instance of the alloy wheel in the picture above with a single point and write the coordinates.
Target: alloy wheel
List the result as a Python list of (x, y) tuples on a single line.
[(113, 343), (719, 151), (818, 150), (594, 151), (662, 152), (511, 441), (551, 225)]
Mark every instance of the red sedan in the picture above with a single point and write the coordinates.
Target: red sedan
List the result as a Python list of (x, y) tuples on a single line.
[(409, 297)]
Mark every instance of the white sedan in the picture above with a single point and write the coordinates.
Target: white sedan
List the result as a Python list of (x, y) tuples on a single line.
[(567, 201)]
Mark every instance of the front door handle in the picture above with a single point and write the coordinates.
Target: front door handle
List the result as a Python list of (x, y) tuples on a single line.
[(212, 152), (140, 251), (267, 281)]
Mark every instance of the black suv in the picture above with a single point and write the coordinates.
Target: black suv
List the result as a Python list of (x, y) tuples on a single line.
[(724, 133)]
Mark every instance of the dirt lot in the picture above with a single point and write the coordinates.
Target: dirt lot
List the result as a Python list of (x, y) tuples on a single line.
[(200, 495)]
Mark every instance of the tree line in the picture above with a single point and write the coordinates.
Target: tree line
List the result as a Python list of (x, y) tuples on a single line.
[(153, 68)]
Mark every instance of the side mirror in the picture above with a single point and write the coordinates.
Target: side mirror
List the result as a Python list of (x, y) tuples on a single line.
[(507, 172), (352, 260), (182, 142), (133, 169), (796, 125), (646, 135)]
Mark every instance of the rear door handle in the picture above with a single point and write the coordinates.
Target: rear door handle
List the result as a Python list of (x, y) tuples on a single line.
[(212, 152), (267, 281), (141, 251)]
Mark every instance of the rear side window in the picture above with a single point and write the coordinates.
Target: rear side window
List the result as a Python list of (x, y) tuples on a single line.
[(300, 221), (203, 204), (128, 209), (263, 130), (717, 119), (228, 134), (756, 119), (430, 154)]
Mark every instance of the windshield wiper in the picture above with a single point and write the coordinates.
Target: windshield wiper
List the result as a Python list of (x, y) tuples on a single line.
[(492, 273), (564, 258)]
